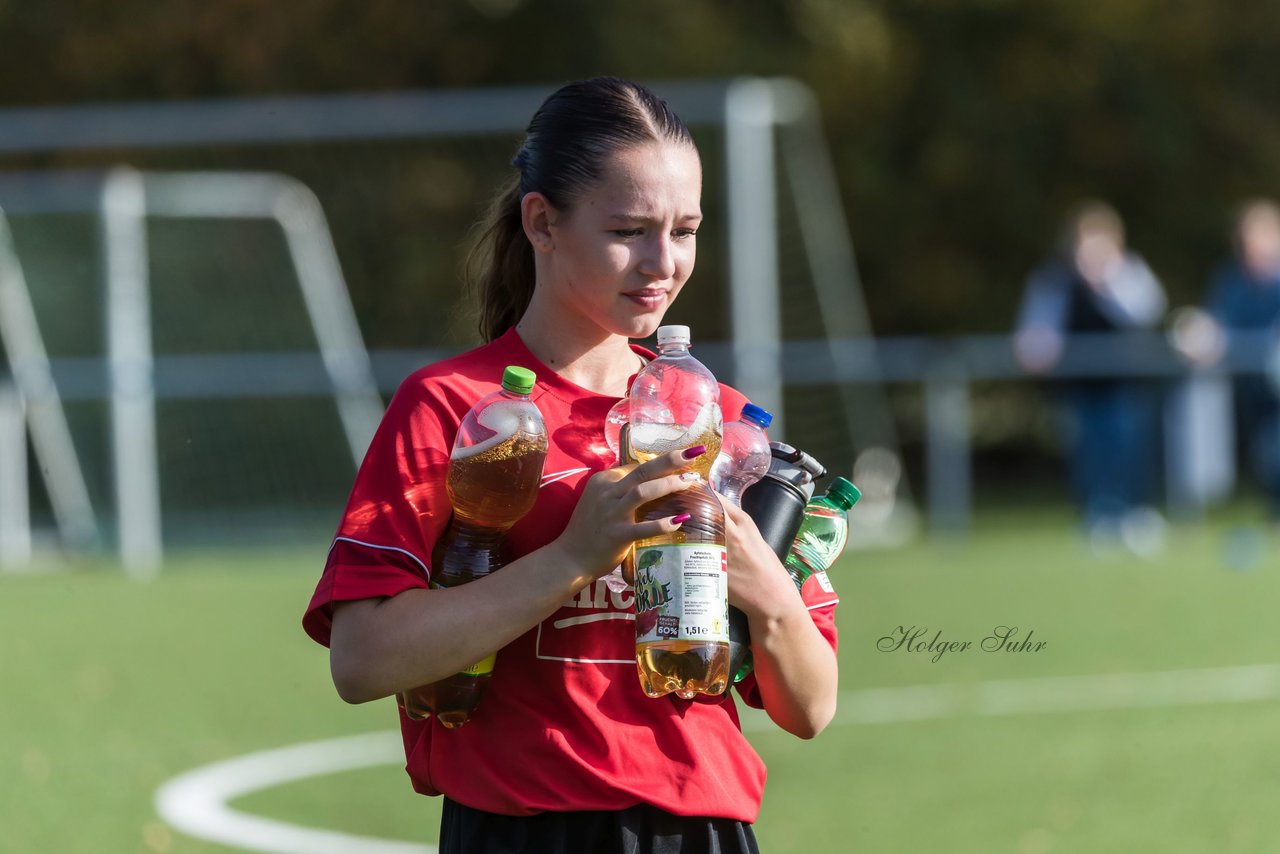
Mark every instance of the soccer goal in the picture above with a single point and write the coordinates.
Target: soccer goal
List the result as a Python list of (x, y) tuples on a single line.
[(126, 203)]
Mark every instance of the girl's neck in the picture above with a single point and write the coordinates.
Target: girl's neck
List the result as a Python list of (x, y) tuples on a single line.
[(595, 360)]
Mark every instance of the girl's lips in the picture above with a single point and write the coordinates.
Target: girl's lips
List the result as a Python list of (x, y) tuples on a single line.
[(648, 299)]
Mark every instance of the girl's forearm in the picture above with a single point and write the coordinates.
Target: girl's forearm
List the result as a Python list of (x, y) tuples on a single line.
[(379, 647), (796, 670)]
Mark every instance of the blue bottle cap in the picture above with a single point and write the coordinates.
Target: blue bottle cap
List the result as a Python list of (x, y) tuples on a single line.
[(756, 414)]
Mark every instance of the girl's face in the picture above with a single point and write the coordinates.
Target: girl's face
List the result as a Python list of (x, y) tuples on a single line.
[(621, 252)]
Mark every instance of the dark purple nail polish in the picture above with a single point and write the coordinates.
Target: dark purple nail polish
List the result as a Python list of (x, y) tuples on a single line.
[(681, 519), (695, 451)]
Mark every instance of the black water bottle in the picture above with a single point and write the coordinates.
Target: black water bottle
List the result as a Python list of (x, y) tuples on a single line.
[(776, 504)]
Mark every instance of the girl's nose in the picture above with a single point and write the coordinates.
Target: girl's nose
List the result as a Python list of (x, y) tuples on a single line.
[(660, 259)]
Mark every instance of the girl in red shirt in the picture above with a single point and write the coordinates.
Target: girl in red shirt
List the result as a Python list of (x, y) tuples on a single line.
[(585, 249)]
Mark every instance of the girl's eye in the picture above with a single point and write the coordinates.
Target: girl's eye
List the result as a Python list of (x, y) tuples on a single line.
[(628, 232), (681, 233)]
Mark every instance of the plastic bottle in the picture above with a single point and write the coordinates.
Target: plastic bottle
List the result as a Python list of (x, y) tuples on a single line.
[(674, 403), (494, 471), (682, 597), (823, 533), (680, 579), (744, 456)]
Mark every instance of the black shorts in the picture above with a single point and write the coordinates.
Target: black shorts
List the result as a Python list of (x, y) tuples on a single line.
[(641, 829)]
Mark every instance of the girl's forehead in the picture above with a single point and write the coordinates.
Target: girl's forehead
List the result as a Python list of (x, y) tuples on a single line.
[(661, 171)]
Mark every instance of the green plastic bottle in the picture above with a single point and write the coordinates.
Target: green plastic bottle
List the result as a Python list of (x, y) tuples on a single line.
[(823, 532)]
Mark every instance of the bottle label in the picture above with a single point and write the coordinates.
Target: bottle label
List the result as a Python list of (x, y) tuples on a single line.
[(682, 593), (823, 581)]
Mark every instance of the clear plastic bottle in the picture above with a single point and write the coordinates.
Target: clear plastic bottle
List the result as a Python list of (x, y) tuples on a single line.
[(494, 471), (674, 403), (680, 579), (744, 455), (823, 531)]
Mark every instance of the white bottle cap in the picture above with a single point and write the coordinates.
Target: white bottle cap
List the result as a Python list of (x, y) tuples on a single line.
[(675, 334)]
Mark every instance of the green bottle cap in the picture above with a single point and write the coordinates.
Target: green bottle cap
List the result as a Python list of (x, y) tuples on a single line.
[(518, 380), (843, 493)]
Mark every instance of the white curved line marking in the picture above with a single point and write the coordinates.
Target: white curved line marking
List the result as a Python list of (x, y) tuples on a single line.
[(196, 802)]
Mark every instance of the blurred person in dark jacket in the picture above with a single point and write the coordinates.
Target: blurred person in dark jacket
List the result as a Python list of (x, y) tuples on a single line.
[(1244, 297), (1094, 284)]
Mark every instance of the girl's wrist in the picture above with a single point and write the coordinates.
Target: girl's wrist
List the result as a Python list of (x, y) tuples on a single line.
[(567, 561)]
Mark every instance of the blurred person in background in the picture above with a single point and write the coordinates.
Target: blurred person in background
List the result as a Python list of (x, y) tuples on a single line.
[(1094, 284), (1244, 297)]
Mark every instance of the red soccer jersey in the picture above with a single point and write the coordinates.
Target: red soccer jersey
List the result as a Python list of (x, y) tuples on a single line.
[(563, 724)]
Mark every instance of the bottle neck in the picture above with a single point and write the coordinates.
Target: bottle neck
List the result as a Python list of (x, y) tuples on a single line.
[(838, 501), (731, 493), (673, 348), (481, 536), (823, 503)]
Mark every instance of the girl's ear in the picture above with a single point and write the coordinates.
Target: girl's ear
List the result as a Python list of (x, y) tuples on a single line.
[(538, 217)]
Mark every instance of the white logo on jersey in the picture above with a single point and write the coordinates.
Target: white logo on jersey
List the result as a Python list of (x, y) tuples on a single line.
[(600, 595), (578, 638)]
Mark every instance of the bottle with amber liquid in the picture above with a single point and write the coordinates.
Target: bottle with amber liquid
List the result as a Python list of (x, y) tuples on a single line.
[(681, 579), (682, 597), (494, 471)]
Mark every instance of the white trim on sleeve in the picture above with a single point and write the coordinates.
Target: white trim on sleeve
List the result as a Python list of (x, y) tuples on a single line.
[(419, 561)]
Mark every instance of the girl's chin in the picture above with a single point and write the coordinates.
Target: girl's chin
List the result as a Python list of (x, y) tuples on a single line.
[(639, 324), (642, 327)]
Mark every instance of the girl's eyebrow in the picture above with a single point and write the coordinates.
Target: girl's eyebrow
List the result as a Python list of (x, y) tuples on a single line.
[(639, 217)]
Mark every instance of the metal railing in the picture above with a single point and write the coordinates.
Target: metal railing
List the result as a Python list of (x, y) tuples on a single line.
[(944, 368)]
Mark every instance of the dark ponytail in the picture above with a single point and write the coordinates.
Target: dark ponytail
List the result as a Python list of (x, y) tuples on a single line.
[(566, 146), (499, 267)]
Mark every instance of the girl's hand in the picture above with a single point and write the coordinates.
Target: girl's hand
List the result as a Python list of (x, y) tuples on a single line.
[(603, 525), (759, 585)]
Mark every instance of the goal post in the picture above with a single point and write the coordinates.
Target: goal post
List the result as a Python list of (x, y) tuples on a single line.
[(30, 397)]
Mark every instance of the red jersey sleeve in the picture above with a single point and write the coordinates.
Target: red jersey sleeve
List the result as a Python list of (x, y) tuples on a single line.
[(397, 510)]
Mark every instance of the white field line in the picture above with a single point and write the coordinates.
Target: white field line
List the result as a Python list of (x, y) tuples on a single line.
[(195, 803)]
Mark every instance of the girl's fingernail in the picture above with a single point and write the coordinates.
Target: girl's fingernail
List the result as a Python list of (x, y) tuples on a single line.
[(681, 519), (695, 451), (690, 476)]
